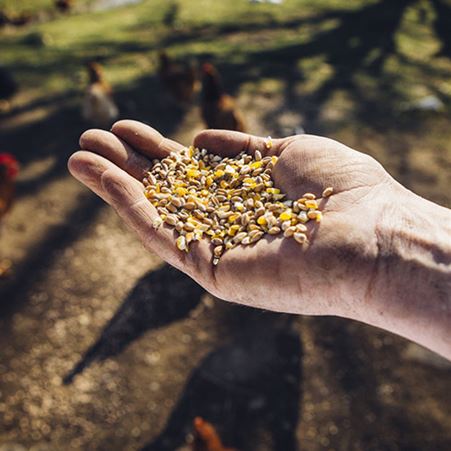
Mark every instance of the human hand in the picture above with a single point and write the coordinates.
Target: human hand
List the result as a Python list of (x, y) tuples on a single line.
[(329, 275)]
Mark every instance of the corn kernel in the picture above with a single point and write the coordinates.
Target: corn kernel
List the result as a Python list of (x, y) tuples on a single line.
[(286, 215), (209, 181), (233, 218), (181, 243), (256, 165), (233, 230), (262, 221), (219, 173), (311, 204), (273, 190), (180, 191), (274, 159), (192, 173)]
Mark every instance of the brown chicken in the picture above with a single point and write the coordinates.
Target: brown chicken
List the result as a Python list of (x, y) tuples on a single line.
[(8, 172), (219, 110), (99, 108), (64, 5), (180, 79), (206, 438)]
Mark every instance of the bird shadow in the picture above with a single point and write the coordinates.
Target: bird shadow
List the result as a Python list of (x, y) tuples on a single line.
[(249, 389), (159, 298)]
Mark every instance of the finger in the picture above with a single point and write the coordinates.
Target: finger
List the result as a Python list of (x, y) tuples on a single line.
[(145, 139), (126, 195), (117, 151), (229, 143)]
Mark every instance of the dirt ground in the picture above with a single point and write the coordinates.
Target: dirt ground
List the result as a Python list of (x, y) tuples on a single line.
[(104, 347)]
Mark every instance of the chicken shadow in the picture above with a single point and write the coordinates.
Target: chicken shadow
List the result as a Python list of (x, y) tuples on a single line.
[(159, 298), (249, 389)]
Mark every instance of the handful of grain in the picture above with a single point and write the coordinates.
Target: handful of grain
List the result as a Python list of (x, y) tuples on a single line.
[(231, 201)]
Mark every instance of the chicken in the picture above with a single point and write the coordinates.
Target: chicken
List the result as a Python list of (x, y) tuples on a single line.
[(8, 87), (99, 108), (64, 5), (206, 438), (219, 110), (8, 172), (180, 79)]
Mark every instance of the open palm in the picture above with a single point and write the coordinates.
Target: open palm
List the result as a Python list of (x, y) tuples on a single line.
[(330, 275)]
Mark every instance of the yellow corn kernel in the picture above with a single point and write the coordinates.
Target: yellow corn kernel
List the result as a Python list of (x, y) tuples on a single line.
[(311, 204), (192, 173), (274, 159), (319, 216), (191, 151), (256, 165), (209, 181), (219, 173), (262, 221), (248, 180), (223, 184), (180, 191), (233, 218), (233, 229), (273, 190), (204, 192), (286, 215)]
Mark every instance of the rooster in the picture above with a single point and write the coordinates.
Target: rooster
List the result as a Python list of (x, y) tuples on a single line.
[(64, 5), (206, 438), (219, 110), (99, 108), (180, 79), (8, 172)]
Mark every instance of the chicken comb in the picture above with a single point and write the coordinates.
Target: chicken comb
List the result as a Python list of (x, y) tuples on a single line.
[(11, 164)]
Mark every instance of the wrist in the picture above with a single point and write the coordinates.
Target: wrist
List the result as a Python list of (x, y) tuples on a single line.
[(411, 285)]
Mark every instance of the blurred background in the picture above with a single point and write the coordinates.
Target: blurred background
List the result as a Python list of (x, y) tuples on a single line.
[(102, 346)]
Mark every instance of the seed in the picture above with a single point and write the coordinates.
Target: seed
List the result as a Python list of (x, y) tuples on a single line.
[(274, 230), (328, 191), (312, 214), (239, 237), (257, 155), (229, 201), (181, 243), (311, 204), (301, 238), (286, 215), (290, 231), (255, 235), (301, 228), (171, 220), (157, 222)]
